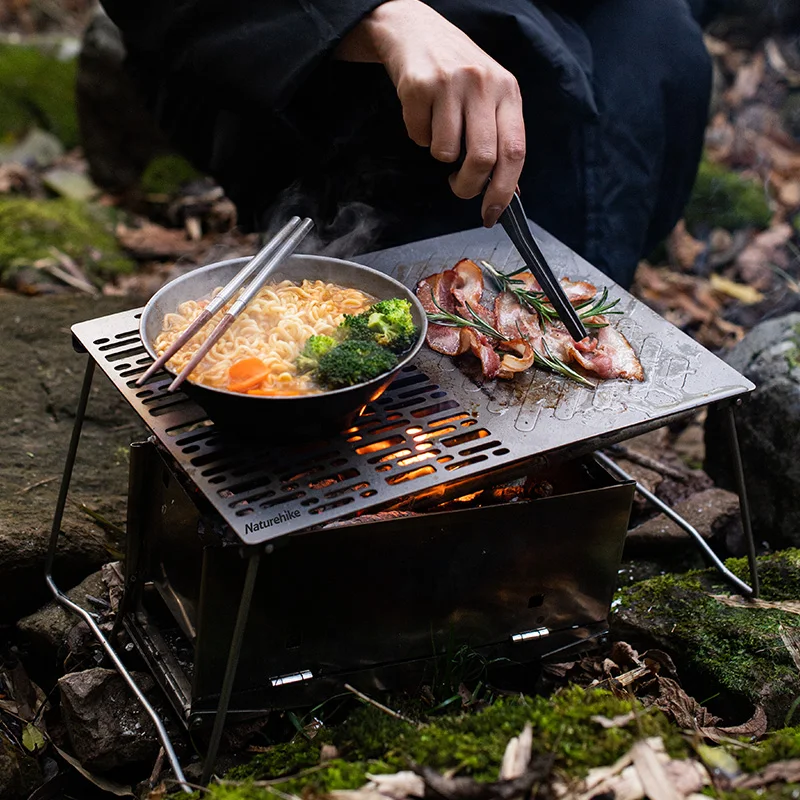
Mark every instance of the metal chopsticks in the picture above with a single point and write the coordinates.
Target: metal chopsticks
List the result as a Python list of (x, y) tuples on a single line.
[(515, 224), (222, 297), (297, 231)]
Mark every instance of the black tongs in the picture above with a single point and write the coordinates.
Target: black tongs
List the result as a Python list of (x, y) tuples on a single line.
[(515, 224)]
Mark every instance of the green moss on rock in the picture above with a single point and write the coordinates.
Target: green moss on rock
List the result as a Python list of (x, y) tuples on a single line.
[(166, 174), (739, 649), (30, 228), (781, 745), (472, 743), (37, 90), (724, 199)]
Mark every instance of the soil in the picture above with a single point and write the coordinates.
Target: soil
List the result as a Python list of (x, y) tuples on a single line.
[(40, 380)]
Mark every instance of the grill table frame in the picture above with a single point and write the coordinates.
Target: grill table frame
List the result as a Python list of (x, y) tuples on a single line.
[(533, 422)]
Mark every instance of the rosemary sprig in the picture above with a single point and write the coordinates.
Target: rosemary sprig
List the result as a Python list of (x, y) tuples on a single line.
[(537, 302), (597, 307), (555, 364), (457, 321)]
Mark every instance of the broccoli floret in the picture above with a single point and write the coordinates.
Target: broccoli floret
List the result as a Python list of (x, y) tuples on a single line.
[(315, 348), (388, 323), (391, 323), (356, 327), (354, 361)]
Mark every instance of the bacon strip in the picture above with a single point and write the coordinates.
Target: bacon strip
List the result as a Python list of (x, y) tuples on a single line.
[(606, 353), (441, 338), (468, 288)]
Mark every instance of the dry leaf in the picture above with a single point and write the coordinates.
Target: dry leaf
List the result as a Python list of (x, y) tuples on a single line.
[(654, 780), (748, 80), (400, 785), (154, 241), (517, 755), (683, 248), (779, 772), (791, 638), (620, 721), (739, 291), (754, 728), (754, 262)]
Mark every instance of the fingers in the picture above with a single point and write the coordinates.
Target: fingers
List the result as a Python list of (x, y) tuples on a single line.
[(417, 109), (446, 129), (481, 156), (510, 160)]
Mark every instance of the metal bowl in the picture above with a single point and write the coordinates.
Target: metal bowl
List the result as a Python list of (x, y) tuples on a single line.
[(284, 418)]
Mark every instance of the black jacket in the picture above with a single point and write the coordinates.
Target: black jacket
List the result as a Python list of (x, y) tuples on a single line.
[(249, 90)]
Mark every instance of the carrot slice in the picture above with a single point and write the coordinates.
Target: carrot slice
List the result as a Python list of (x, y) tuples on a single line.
[(246, 374), (275, 392)]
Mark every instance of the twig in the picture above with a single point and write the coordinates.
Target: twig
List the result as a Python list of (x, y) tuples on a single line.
[(273, 781), (36, 485), (649, 462), (105, 524), (159, 765), (379, 706)]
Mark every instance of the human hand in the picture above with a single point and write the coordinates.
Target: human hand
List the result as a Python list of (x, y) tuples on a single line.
[(450, 90)]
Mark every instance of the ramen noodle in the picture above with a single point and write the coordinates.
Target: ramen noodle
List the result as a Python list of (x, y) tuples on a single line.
[(265, 340)]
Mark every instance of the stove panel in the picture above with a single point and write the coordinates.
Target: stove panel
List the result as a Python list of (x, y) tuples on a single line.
[(439, 430)]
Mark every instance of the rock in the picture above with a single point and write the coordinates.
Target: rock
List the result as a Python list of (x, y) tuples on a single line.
[(37, 89), (19, 773), (736, 650), (768, 423), (40, 378), (724, 199), (47, 628), (106, 725), (713, 512), (70, 184), (118, 134), (30, 229), (37, 149)]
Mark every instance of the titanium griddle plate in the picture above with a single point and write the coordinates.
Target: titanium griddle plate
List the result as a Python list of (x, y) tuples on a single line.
[(439, 430)]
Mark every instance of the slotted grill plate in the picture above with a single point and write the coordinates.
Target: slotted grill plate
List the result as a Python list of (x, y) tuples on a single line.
[(438, 429)]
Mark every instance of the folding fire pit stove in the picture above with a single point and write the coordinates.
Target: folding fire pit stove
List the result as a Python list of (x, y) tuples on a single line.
[(364, 602)]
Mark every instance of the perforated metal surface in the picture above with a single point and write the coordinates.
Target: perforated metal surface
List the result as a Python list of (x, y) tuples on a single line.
[(440, 429)]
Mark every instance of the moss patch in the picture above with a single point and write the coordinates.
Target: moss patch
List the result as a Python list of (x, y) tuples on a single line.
[(369, 741), (37, 90), (167, 174), (29, 228), (724, 199), (739, 649), (779, 746)]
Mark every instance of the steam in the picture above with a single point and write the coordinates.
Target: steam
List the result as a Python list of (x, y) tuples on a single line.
[(354, 228)]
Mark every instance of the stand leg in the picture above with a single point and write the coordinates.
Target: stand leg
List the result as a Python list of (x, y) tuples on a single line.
[(232, 666), (680, 521), (61, 598), (69, 465), (741, 488)]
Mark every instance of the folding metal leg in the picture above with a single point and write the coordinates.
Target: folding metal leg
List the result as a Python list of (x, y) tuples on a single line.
[(60, 597), (690, 529), (741, 488), (232, 666)]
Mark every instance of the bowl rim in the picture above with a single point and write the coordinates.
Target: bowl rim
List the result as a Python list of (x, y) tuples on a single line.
[(149, 310)]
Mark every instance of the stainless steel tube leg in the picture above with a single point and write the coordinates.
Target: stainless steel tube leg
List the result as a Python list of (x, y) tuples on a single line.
[(60, 597), (741, 488), (232, 666), (611, 466)]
